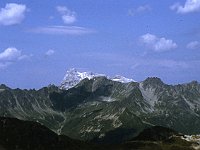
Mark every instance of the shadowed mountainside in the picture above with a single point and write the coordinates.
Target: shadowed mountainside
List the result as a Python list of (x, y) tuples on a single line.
[(26, 135)]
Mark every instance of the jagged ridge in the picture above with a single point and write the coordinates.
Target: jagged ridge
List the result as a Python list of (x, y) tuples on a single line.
[(99, 107)]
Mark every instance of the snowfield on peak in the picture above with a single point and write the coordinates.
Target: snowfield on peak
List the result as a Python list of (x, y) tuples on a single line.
[(73, 77), (122, 79)]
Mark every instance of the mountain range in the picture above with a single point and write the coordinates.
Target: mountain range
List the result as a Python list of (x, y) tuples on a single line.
[(101, 109)]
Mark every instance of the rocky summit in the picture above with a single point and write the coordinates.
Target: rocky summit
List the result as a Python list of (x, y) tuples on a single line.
[(103, 110)]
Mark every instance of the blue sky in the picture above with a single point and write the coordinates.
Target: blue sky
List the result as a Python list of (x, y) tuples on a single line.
[(41, 40)]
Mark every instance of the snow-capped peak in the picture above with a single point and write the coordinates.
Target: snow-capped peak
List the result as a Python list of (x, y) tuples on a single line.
[(73, 77)]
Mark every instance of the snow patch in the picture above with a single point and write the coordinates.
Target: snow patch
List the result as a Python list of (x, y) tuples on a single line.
[(114, 117), (107, 99), (122, 79), (90, 129), (1, 90)]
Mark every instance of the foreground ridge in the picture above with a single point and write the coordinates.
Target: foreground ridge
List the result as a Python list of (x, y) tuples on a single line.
[(27, 135)]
